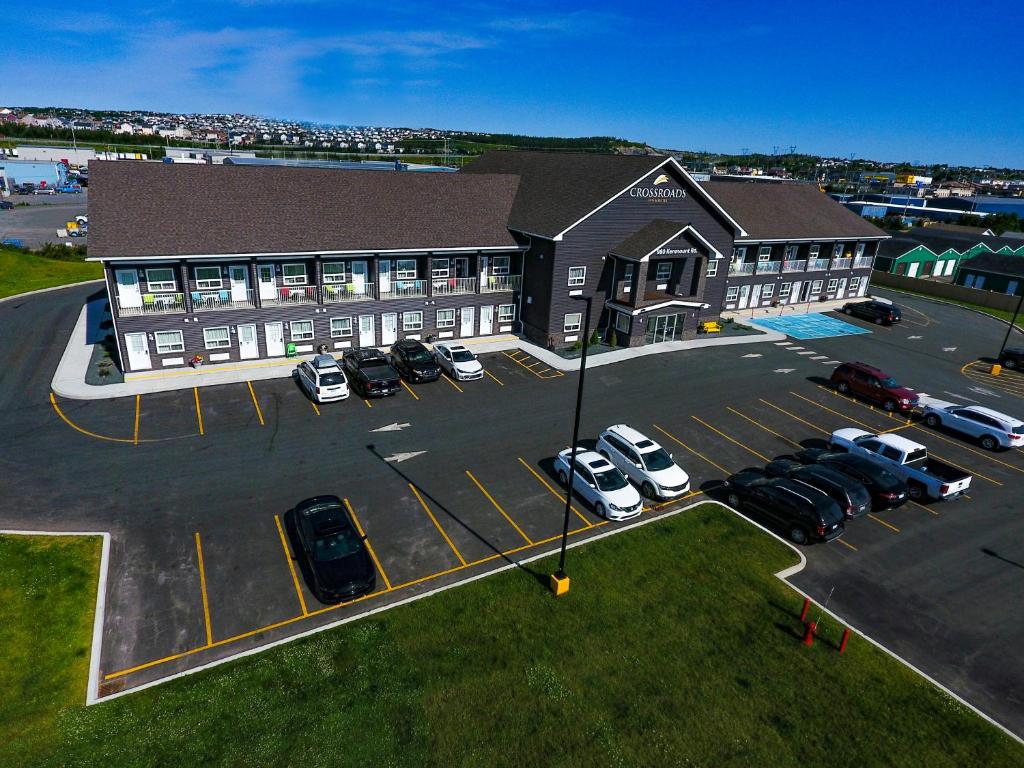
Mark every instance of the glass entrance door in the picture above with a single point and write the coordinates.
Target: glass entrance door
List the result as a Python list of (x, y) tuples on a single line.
[(664, 328)]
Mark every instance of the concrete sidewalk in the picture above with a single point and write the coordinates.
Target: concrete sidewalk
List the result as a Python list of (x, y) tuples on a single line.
[(803, 308), (69, 379)]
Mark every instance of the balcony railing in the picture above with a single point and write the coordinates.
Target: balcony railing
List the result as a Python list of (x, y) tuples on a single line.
[(862, 261), (816, 264), (796, 265), (295, 294), (348, 292), (742, 268), (842, 263), (496, 283), (451, 286), (404, 289), (204, 301), (151, 304), (766, 267)]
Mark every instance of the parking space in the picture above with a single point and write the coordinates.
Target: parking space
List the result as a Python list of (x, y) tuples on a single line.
[(532, 365), (1008, 381), (809, 326)]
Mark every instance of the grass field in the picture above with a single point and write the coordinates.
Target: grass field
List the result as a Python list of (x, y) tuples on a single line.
[(675, 646), (21, 272)]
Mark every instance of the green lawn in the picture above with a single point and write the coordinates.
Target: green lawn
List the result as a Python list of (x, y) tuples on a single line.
[(675, 646), (20, 272)]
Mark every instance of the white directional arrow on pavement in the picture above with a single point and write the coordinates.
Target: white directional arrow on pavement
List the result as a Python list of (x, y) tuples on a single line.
[(784, 370), (393, 427), (400, 457), (949, 349), (983, 391), (914, 337), (756, 354)]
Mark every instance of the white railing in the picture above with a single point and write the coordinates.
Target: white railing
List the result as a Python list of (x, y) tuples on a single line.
[(862, 261), (742, 268), (495, 283), (451, 286), (764, 267), (348, 292), (817, 264), (404, 289), (797, 265), (842, 263), (294, 294), (151, 304), (204, 301)]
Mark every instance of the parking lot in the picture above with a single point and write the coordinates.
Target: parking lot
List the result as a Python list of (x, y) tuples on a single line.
[(449, 481), (36, 218)]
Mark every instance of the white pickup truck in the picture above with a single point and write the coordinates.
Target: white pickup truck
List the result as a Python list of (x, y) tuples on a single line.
[(925, 476)]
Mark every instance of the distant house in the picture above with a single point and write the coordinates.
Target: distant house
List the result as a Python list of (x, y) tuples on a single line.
[(997, 272), (937, 252)]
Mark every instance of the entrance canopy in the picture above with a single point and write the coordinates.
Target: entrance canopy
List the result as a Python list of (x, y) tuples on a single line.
[(662, 238)]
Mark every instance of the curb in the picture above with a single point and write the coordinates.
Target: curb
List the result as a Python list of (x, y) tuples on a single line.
[(48, 290), (1019, 328)]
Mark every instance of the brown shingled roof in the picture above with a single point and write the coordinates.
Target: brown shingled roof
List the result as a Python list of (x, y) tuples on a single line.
[(162, 209), (788, 212), (646, 239)]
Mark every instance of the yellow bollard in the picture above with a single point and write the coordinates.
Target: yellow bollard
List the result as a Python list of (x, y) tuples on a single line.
[(559, 584), (996, 369)]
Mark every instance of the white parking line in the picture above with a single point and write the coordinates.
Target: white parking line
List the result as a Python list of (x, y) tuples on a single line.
[(808, 352), (783, 343), (794, 349), (819, 357)]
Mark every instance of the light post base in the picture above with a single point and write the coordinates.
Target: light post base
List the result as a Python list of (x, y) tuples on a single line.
[(559, 584)]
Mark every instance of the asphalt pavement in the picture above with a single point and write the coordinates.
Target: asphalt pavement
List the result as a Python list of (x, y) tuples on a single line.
[(36, 219)]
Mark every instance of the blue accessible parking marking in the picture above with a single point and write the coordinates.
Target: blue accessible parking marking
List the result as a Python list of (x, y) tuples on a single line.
[(809, 326)]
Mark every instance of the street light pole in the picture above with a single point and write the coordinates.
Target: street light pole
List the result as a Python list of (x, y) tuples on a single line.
[(1012, 324), (559, 581)]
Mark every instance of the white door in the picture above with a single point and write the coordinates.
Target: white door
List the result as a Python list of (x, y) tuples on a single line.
[(138, 351), (842, 288), (384, 276), (388, 329), (912, 271), (268, 283), (755, 295), (466, 322), (359, 277), (485, 265), (949, 266), (128, 293), (744, 296), (367, 333), (239, 277), (794, 292), (863, 286), (275, 339), (486, 320), (248, 348)]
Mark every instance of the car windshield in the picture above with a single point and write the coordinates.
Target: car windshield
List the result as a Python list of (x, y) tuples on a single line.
[(462, 356), (331, 379), (657, 460), (418, 355), (336, 544), (889, 382), (611, 480)]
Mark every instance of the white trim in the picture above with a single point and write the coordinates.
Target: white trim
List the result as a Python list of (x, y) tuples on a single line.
[(291, 332), (285, 278), (206, 344), (646, 257), (173, 281), (670, 303), (820, 239), (293, 254), (172, 361), (198, 280), (156, 341)]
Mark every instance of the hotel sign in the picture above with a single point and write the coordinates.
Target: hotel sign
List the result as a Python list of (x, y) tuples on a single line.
[(658, 193)]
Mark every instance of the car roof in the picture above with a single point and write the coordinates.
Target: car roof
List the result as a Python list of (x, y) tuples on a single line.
[(630, 435), (868, 369), (408, 343), (324, 361), (365, 352), (900, 442), (989, 412), (317, 501), (587, 457)]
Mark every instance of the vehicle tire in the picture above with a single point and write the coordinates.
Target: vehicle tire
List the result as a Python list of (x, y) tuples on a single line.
[(916, 491), (847, 311), (599, 510), (843, 388), (989, 442), (733, 500), (1010, 364), (648, 490), (932, 420), (562, 478), (890, 406), (878, 321), (797, 535)]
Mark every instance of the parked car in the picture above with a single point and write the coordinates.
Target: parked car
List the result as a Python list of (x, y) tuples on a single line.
[(323, 379), (414, 362), (335, 552), (926, 477), (370, 374), (851, 495), (458, 362), (603, 486), (879, 312), (990, 428), (25, 189), (1012, 358), (873, 385), (887, 491), (78, 232), (802, 512), (6, 205), (643, 461), (70, 189), (44, 191), (13, 242)]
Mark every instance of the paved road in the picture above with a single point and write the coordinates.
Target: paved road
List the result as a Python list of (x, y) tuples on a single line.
[(38, 221), (940, 584)]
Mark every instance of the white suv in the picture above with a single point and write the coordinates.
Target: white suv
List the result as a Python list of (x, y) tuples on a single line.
[(323, 379), (644, 462), (601, 484), (991, 429)]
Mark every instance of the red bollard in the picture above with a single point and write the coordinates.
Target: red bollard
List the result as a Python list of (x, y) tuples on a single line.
[(846, 636), (809, 634), (807, 608)]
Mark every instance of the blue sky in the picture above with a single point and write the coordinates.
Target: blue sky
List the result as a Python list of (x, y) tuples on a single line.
[(929, 82)]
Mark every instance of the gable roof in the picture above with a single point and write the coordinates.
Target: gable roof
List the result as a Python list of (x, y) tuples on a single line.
[(789, 212), (996, 262), (158, 209), (647, 239)]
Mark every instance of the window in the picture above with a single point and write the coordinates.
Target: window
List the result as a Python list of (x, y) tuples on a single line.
[(160, 279), (784, 290), (573, 322), (412, 321), (764, 253), (1011, 287), (301, 330), (815, 251), (217, 338), (732, 294), (664, 271), (792, 252), (446, 317), (500, 265), (854, 284), (712, 267), (837, 251), (439, 268), (767, 290), (622, 322), (506, 313), (405, 269), (860, 250), (969, 281), (816, 286), (334, 272), (833, 284), (577, 276), (168, 342), (341, 327), (293, 274), (208, 277), (738, 254), (979, 282)]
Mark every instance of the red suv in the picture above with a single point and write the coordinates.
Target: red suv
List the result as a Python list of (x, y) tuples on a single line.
[(874, 385)]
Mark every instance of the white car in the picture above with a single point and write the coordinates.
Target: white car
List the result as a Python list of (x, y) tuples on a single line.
[(601, 484), (458, 362), (323, 379), (992, 429), (643, 461)]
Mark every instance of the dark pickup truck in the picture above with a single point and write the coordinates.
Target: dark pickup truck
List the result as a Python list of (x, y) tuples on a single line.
[(370, 374)]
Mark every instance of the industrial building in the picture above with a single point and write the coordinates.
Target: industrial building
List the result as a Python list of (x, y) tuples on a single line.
[(14, 173)]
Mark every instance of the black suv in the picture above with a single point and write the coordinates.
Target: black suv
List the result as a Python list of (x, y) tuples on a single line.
[(851, 495), (414, 361), (369, 372), (6, 205), (804, 513), (1012, 359), (876, 311), (886, 489)]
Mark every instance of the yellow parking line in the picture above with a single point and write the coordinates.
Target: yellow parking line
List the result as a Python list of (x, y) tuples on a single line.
[(497, 506), (199, 411), (316, 410), (847, 544), (731, 440), (684, 497), (691, 450), (366, 402), (437, 525), (958, 444), (258, 411), (369, 546), (495, 378), (766, 429), (70, 423), (445, 377), (554, 493), (837, 413), (408, 389), (887, 525), (138, 406), (794, 416), (291, 565), (922, 506), (534, 365), (202, 584)]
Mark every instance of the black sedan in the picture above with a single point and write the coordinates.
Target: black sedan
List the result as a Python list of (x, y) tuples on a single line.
[(851, 495), (878, 312), (336, 554), (414, 361), (6, 205), (887, 490), (802, 512), (370, 373), (1012, 359)]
